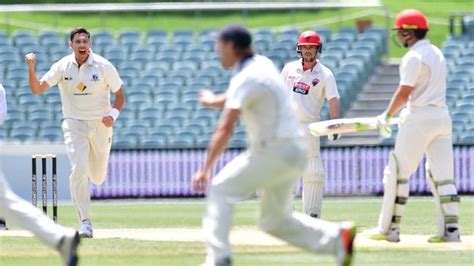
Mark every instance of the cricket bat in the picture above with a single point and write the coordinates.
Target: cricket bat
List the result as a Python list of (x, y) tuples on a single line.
[(346, 125)]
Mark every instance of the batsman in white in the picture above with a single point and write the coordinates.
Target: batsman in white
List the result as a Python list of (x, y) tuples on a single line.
[(275, 157), (85, 82), (425, 128), (27, 216), (309, 83)]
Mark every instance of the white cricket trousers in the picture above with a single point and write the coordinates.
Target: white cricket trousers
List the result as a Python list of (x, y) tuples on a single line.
[(313, 176), (273, 170), (422, 131), (88, 147), (16, 210)]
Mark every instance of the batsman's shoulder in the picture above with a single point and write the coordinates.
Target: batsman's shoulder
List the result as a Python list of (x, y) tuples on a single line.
[(326, 70), (293, 64), (412, 56)]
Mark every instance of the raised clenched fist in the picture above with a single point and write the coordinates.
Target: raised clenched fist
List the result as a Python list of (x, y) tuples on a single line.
[(30, 59)]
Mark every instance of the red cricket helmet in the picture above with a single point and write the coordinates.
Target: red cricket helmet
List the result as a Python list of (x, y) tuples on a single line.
[(309, 38), (411, 19)]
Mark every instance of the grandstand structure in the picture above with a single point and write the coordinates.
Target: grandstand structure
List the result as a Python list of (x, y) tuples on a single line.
[(160, 136), (163, 74)]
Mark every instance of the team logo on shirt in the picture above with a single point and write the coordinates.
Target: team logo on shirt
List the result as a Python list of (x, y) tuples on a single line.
[(95, 77), (315, 82), (67, 78), (81, 87), (301, 88)]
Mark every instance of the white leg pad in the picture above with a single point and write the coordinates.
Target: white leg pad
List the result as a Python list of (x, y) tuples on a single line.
[(312, 198), (313, 179), (395, 196), (446, 201)]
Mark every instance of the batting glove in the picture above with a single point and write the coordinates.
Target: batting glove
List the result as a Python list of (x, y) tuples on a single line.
[(334, 137), (383, 125)]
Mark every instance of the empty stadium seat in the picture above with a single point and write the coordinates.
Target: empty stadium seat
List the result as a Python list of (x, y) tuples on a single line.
[(325, 34), (163, 77), (125, 143), (152, 143), (290, 35)]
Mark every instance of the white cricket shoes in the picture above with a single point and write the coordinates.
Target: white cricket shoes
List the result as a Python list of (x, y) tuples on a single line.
[(393, 234), (223, 262), (3, 225), (451, 235), (86, 229), (67, 247), (345, 253)]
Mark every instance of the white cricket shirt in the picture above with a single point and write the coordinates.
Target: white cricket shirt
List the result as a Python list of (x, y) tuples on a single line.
[(3, 104), (258, 92), (85, 91), (424, 68), (308, 89)]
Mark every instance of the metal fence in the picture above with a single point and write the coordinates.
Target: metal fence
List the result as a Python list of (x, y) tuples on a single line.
[(349, 171)]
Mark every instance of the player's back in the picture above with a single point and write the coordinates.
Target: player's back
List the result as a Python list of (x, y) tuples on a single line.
[(266, 110), (430, 86)]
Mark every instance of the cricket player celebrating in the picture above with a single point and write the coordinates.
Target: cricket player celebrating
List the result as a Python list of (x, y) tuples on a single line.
[(272, 163), (85, 81), (425, 128), (27, 216), (309, 83)]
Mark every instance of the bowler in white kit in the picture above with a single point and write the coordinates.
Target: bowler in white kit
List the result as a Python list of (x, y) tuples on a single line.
[(309, 83), (425, 128), (276, 156), (85, 82)]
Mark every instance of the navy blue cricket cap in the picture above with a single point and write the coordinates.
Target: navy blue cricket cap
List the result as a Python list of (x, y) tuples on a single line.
[(239, 35)]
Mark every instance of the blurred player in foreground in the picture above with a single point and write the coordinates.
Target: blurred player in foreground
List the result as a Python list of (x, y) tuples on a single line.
[(425, 128), (310, 83), (275, 158), (27, 216), (85, 81)]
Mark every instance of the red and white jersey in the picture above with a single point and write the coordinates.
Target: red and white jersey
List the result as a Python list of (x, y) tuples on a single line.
[(308, 89), (424, 68)]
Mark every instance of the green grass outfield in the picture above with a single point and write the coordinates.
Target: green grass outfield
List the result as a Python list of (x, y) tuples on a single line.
[(418, 219), (438, 10)]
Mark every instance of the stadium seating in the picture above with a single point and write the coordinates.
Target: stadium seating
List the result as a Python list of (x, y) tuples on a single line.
[(459, 51), (163, 73)]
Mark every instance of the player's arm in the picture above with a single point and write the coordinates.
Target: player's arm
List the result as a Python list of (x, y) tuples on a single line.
[(410, 69), (334, 111), (3, 105), (119, 103), (37, 86), (217, 145), (114, 83), (399, 99), (210, 100), (332, 96)]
